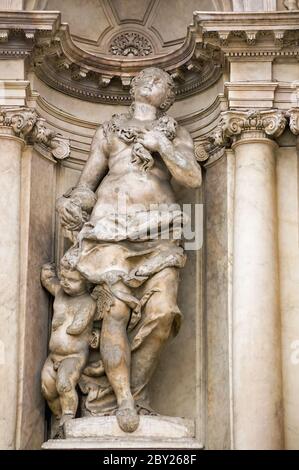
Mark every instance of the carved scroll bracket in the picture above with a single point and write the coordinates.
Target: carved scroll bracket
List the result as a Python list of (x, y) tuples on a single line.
[(26, 124), (208, 150)]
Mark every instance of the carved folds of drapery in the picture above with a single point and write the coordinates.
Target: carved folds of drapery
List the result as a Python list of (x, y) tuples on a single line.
[(27, 125)]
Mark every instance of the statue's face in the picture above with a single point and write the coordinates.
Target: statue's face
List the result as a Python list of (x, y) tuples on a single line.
[(151, 88), (72, 282)]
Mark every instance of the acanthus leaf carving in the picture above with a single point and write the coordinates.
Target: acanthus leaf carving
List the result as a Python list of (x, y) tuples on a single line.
[(22, 120), (26, 124)]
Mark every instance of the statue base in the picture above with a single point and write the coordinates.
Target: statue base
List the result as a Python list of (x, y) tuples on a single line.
[(154, 432)]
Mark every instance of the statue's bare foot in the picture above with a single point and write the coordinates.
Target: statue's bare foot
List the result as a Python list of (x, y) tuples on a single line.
[(127, 418)]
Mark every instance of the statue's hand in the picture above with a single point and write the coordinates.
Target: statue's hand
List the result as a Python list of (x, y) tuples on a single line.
[(48, 271), (72, 216), (75, 206), (152, 140)]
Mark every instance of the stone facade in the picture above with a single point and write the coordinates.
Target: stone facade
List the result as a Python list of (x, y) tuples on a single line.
[(233, 371)]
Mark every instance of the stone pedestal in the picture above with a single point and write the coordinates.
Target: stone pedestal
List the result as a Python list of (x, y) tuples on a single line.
[(154, 432)]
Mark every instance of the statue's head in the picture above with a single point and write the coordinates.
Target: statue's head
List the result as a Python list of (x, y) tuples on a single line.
[(155, 87), (72, 282)]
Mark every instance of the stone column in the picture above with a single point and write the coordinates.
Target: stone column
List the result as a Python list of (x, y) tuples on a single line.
[(256, 344), (26, 197), (10, 184)]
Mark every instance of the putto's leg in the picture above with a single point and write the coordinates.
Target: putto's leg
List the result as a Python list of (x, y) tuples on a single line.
[(68, 375), (116, 356), (49, 389)]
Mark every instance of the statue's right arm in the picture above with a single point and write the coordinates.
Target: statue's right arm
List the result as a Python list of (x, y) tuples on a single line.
[(75, 207), (97, 163)]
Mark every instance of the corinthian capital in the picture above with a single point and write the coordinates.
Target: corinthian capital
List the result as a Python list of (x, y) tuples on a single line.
[(26, 124), (233, 124), (294, 120)]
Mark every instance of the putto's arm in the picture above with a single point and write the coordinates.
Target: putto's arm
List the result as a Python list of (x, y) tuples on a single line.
[(97, 164), (179, 158), (49, 278)]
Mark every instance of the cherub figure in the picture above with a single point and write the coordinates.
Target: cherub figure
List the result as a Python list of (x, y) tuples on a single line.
[(71, 336)]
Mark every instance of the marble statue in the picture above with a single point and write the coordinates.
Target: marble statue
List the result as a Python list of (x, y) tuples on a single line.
[(126, 230), (71, 336)]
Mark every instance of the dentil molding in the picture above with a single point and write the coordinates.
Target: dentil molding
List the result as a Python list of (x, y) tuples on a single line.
[(26, 124)]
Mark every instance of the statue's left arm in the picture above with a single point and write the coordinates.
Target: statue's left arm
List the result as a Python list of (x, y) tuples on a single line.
[(178, 155)]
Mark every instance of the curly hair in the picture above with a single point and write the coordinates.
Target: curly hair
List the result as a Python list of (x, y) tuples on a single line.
[(169, 81), (69, 260)]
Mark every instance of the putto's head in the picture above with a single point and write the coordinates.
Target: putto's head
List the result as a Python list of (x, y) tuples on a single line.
[(72, 282), (155, 87)]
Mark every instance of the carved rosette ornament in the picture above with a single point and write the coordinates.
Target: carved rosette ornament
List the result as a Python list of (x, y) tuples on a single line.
[(27, 125), (293, 115), (235, 125), (131, 44)]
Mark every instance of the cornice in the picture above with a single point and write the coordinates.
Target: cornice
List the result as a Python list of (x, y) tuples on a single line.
[(27, 125), (195, 65)]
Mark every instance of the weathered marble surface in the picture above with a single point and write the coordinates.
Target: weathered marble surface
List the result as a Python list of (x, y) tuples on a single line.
[(150, 426), (257, 386), (105, 265), (181, 397), (10, 183), (288, 218), (217, 259), (37, 222), (103, 433)]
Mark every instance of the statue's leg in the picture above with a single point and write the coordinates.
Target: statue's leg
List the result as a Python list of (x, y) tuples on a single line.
[(154, 329), (68, 375), (49, 387), (116, 356)]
